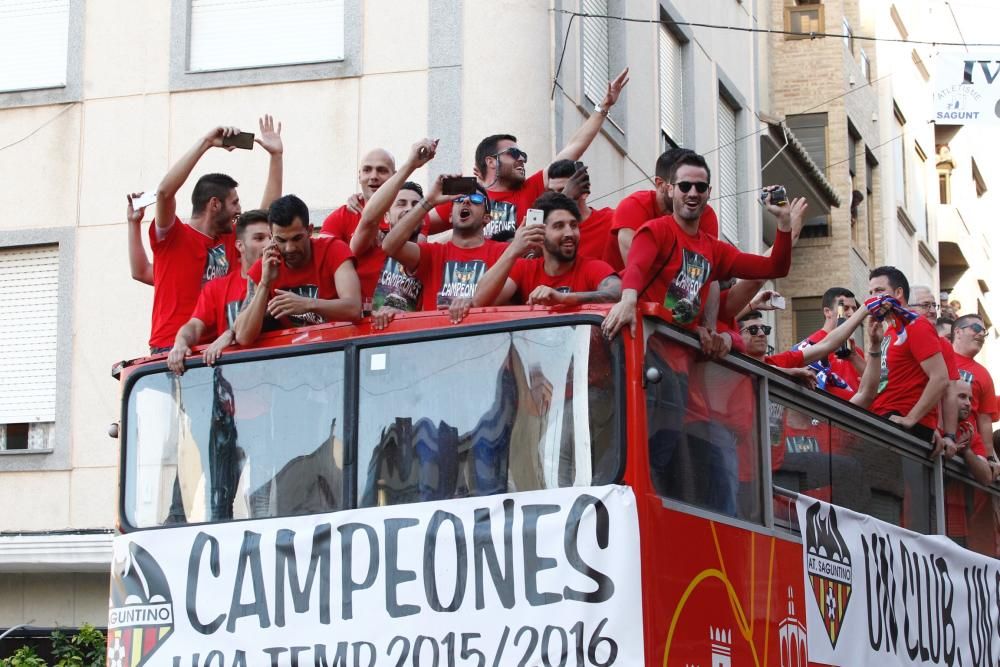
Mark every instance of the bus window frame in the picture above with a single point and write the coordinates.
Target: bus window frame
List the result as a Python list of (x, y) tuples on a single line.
[(838, 412), (351, 347)]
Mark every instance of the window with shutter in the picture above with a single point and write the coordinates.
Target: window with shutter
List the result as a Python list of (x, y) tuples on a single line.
[(261, 33), (810, 130), (596, 54), (671, 88), (29, 282), (728, 185), (34, 43)]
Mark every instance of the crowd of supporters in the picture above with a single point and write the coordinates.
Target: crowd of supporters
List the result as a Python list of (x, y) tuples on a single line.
[(227, 275)]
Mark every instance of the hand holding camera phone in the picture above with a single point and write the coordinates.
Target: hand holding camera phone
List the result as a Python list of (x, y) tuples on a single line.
[(458, 185), (774, 194), (242, 140)]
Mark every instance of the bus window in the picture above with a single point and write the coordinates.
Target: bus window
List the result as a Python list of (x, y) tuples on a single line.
[(972, 515), (812, 456), (245, 440), (703, 435), (486, 414)]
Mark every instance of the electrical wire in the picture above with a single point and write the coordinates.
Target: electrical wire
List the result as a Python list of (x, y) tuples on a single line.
[(39, 128)]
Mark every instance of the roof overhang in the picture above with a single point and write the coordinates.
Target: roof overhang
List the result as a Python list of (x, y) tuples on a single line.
[(952, 263), (56, 552)]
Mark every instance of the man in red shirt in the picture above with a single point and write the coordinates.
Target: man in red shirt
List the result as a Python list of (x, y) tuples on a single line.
[(299, 280), (220, 301), (913, 375), (922, 303), (848, 368), (448, 271), (376, 167), (560, 276), (500, 164), (640, 207), (969, 333), (672, 260), (186, 256), (571, 179)]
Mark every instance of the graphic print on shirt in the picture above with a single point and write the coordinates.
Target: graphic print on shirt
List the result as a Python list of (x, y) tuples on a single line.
[(502, 221), (682, 295), (966, 376), (883, 378), (459, 279), (801, 444), (216, 264), (396, 288)]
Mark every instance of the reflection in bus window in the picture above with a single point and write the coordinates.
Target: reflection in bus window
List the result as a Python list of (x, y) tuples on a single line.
[(972, 516), (486, 414), (809, 455), (702, 426), (254, 439)]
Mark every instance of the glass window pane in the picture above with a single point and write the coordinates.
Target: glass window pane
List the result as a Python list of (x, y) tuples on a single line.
[(972, 516), (254, 439), (487, 414), (702, 425)]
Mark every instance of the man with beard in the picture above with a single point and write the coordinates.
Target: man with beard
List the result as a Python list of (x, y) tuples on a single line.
[(969, 335), (220, 301), (376, 167), (186, 256), (299, 281), (448, 271), (500, 166), (673, 261), (559, 277)]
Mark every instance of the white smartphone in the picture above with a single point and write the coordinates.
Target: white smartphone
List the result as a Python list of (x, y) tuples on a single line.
[(778, 301), (535, 216), (148, 197)]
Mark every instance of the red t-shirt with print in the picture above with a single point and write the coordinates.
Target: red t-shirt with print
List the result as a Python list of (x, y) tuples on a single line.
[(585, 275), (183, 261), (507, 208), (314, 280), (669, 266), (903, 380), (219, 303), (983, 392), (595, 234), (639, 208), (448, 271), (842, 367)]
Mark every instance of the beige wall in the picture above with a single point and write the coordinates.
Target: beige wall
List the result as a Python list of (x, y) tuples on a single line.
[(49, 600)]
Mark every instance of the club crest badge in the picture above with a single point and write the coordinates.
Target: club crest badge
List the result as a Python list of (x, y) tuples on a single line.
[(828, 564), (141, 614)]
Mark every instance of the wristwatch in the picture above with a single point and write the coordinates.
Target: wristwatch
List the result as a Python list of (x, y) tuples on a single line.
[(601, 110)]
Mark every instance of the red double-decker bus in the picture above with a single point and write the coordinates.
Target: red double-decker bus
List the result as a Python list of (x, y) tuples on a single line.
[(518, 490)]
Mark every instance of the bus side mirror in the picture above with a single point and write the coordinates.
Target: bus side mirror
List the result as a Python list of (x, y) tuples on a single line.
[(653, 376)]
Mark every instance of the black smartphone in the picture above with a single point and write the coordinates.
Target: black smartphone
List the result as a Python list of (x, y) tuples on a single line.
[(461, 185), (579, 165), (242, 140)]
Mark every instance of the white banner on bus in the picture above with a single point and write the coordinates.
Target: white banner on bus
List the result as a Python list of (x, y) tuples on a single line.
[(545, 577), (966, 89), (880, 594)]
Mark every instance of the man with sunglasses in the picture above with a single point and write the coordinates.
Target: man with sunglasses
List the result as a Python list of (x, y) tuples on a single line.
[(448, 271), (913, 374), (969, 335), (501, 167), (673, 261)]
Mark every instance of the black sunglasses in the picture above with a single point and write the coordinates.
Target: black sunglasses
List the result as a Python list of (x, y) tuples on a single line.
[(755, 329), (515, 153), (685, 186)]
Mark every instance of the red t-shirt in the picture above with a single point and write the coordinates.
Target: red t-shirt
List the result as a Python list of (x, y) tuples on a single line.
[(183, 261), (903, 380), (369, 266), (788, 359), (219, 303), (315, 280), (341, 224), (585, 276), (595, 234), (639, 208), (507, 208), (447, 271), (842, 367), (983, 392), (672, 267)]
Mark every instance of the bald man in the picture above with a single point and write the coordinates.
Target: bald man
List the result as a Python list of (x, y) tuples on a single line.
[(376, 167)]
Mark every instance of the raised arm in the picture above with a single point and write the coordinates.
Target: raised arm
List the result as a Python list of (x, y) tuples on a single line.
[(270, 140), (584, 136), (868, 388), (138, 260), (835, 338), (166, 191), (496, 287), (251, 318), (381, 200), (397, 242)]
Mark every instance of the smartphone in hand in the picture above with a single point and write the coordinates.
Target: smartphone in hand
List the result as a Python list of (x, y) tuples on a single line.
[(534, 216), (148, 198), (459, 185), (242, 140)]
